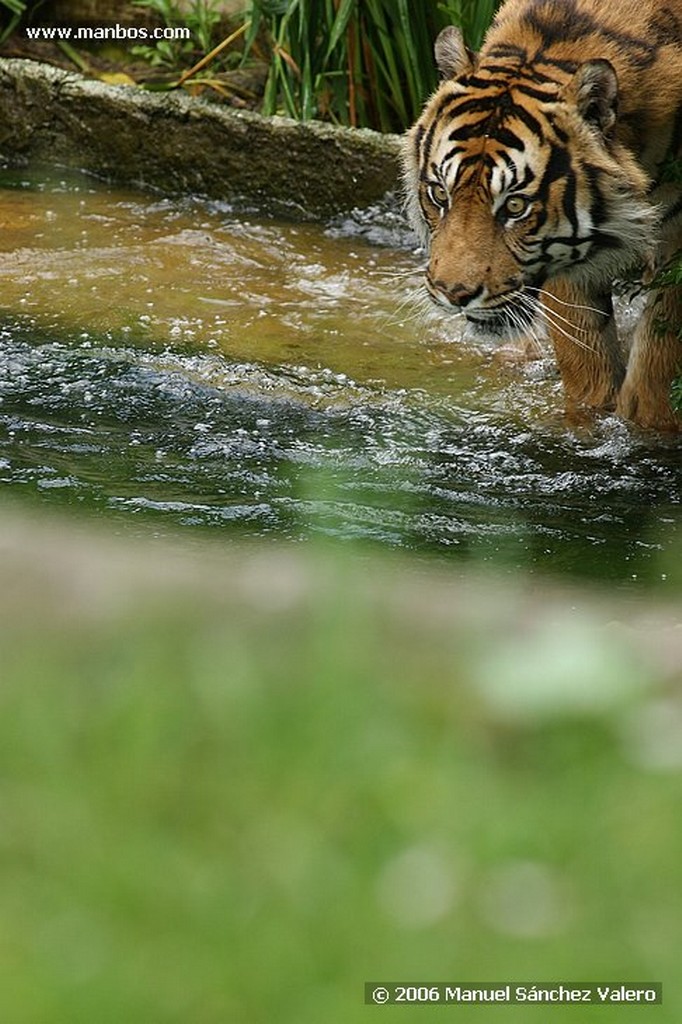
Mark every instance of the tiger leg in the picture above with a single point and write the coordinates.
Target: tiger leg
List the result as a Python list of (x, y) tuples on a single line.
[(589, 355), (655, 360)]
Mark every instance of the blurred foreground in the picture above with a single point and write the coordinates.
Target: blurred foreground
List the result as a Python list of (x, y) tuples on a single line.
[(238, 782)]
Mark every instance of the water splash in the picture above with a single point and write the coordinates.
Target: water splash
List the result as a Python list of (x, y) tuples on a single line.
[(181, 363)]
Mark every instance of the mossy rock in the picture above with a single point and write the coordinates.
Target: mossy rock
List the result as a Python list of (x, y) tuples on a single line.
[(178, 143)]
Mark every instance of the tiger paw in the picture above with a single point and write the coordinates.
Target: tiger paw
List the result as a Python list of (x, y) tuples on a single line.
[(648, 409)]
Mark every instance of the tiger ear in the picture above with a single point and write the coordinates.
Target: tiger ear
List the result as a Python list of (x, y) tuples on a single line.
[(596, 90), (452, 56)]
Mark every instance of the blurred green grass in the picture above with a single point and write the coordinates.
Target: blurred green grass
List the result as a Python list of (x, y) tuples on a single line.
[(237, 785)]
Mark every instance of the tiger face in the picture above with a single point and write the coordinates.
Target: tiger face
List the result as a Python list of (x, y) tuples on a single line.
[(514, 176)]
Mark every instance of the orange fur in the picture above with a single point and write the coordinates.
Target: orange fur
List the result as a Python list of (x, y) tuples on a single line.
[(540, 171)]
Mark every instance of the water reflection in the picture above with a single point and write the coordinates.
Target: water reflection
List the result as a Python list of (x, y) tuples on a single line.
[(198, 367)]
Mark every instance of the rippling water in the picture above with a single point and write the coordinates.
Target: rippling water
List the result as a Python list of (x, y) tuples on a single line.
[(197, 366)]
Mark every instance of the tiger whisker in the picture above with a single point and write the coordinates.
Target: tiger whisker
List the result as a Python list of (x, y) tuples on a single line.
[(549, 315), (396, 274), (558, 316), (421, 306), (526, 328), (414, 294), (415, 297), (552, 318), (571, 305), (529, 329)]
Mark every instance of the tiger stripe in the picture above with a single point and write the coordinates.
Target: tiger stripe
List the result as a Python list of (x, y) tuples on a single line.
[(573, 111)]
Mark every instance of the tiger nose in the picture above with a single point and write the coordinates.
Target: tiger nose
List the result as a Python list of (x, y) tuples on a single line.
[(457, 294), (460, 295)]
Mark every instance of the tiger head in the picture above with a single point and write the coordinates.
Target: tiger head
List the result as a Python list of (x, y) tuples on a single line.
[(515, 174)]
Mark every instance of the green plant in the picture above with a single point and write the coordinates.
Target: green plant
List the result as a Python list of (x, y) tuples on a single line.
[(15, 9), (472, 16), (676, 394), (200, 18), (356, 62)]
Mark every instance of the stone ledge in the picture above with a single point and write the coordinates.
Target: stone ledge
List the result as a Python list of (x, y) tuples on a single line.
[(176, 143)]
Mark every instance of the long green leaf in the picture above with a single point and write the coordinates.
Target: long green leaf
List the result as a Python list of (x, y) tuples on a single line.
[(382, 48), (346, 9)]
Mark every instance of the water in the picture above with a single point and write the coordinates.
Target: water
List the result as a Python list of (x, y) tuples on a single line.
[(190, 365)]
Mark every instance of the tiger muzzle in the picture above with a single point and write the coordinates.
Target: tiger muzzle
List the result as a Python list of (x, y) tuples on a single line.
[(458, 295)]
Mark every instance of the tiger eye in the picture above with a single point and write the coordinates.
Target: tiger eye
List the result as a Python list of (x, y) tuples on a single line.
[(439, 194), (516, 206)]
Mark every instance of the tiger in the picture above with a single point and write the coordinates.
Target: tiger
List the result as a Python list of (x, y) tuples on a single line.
[(543, 169)]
